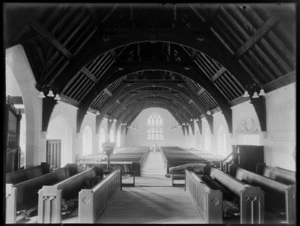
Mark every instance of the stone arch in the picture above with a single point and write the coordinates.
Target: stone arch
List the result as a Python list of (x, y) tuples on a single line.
[(87, 141), (102, 139), (18, 64), (221, 141)]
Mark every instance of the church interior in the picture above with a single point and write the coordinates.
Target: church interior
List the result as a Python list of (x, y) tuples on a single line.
[(150, 113)]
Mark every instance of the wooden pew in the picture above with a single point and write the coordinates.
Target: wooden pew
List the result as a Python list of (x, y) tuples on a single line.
[(24, 196), (251, 198), (92, 202), (27, 174), (178, 172), (278, 196), (208, 200), (281, 175), (50, 197)]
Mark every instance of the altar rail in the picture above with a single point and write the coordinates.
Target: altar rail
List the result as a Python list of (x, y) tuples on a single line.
[(92, 202), (208, 201), (27, 174), (278, 196), (251, 198)]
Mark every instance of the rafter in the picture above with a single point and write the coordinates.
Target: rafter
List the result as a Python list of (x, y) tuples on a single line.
[(50, 38), (259, 34)]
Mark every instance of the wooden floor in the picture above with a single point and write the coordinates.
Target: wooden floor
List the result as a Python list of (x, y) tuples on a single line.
[(152, 204)]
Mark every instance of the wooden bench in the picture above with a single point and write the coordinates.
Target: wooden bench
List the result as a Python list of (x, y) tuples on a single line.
[(208, 200), (279, 197), (23, 197), (281, 175), (93, 202), (50, 197), (251, 199), (27, 174), (178, 172)]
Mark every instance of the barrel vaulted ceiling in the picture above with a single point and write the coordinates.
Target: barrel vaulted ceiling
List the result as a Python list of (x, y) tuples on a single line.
[(191, 59)]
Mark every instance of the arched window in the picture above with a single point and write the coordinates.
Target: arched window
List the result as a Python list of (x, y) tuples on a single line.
[(155, 127), (111, 136), (101, 139), (118, 138), (221, 141), (207, 140), (87, 141)]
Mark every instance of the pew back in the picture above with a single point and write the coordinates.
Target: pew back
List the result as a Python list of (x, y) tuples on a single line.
[(27, 191), (50, 197), (277, 195), (251, 198), (27, 174), (92, 202), (280, 175), (208, 201)]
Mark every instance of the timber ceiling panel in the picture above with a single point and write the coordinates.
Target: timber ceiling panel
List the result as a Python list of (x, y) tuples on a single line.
[(205, 55)]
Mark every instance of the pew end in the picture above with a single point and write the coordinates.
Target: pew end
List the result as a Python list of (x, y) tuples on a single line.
[(252, 205), (11, 204), (49, 202)]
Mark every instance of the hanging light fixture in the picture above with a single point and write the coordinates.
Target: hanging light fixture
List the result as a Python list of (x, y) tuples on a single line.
[(255, 95), (208, 112), (246, 94), (50, 94), (57, 97), (262, 92), (41, 95)]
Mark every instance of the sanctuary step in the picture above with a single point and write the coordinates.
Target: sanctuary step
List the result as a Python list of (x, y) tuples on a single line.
[(154, 165)]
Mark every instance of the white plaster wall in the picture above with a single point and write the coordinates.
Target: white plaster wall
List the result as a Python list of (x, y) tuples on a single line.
[(280, 141), (17, 63), (171, 137), (219, 121), (64, 129)]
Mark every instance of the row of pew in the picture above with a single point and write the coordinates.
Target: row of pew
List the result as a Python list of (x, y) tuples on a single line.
[(51, 198), (137, 155), (241, 196), (129, 158), (175, 156)]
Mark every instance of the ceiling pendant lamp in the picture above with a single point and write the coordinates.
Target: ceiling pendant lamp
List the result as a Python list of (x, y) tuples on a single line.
[(57, 97), (41, 95), (50, 94), (262, 92), (255, 95), (208, 112), (246, 94)]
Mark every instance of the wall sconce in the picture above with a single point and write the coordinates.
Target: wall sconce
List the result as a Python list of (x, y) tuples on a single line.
[(208, 112)]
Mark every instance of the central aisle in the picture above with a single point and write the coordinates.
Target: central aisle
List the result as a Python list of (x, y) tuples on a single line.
[(154, 165), (152, 205)]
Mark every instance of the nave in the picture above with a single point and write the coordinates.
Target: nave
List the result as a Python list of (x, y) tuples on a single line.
[(100, 98)]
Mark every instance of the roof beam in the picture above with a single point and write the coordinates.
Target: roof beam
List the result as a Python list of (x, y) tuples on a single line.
[(200, 91), (50, 38), (89, 74), (107, 92), (260, 33), (143, 81), (218, 74)]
